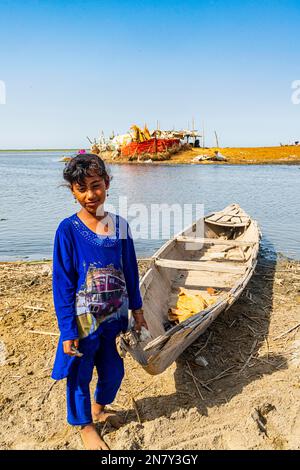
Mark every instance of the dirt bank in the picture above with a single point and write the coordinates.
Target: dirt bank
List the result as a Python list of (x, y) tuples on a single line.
[(248, 397), (235, 156)]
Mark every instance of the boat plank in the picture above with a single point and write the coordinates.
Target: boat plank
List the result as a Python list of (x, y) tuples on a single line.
[(214, 241), (199, 265), (228, 224)]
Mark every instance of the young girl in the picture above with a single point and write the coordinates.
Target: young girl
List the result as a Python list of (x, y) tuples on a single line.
[(95, 282)]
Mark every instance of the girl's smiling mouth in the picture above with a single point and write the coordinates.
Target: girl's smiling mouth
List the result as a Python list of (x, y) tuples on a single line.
[(92, 203)]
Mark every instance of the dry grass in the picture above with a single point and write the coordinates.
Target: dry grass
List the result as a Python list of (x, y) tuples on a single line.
[(253, 368), (246, 156)]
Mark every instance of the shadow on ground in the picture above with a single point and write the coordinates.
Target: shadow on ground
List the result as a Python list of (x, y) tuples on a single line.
[(230, 346)]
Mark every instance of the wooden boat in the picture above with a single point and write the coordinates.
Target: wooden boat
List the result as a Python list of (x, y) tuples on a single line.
[(221, 261), (231, 216)]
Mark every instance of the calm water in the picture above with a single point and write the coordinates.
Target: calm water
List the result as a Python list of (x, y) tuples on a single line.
[(33, 203)]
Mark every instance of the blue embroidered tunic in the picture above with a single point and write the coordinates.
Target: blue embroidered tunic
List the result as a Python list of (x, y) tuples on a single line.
[(95, 278)]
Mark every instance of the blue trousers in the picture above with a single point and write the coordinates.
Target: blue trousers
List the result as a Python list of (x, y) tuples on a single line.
[(99, 349)]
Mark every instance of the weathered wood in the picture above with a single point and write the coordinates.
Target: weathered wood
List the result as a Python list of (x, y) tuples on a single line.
[(228, 224), (48, 333), (288, 331), (231, 216), (175, 267), (199, 265), (236, 214), (194, 380), (214, 241), (48, 392), (146, 282), (136, 410), (31, 307)]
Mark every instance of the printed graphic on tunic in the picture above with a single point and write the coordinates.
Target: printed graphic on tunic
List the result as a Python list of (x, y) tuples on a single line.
[(102, 294)]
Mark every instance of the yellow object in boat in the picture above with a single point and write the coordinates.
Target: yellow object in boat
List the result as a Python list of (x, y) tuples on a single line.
[(188, 305)]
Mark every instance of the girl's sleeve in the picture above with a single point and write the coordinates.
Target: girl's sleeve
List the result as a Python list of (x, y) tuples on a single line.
[(64, 286), (131, 273)]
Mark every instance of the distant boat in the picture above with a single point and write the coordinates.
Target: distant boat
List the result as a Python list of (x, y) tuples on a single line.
[(212, 271)]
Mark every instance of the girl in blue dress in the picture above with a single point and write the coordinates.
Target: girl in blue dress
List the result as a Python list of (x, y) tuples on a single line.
[(95, 282)]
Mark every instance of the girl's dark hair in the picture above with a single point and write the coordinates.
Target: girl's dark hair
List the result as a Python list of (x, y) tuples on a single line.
[(82, 165)]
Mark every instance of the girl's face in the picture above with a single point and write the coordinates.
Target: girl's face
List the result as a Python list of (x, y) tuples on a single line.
[(91, 194)]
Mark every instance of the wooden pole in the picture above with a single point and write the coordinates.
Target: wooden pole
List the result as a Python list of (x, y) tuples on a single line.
[(155, 144), (203, 136), (217, 140), (193, 128)]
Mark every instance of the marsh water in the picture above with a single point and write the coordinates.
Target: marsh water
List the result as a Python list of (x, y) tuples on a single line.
[(33, 202)]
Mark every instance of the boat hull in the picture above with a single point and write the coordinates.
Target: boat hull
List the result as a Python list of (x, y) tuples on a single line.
[(223, 259)]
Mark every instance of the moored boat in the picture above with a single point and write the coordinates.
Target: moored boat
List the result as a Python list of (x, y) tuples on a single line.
[(191, 280)]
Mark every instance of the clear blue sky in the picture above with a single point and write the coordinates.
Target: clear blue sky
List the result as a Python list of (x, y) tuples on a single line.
[(72, 68)]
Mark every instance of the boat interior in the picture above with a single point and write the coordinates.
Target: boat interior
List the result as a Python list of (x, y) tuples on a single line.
[(208, 259)]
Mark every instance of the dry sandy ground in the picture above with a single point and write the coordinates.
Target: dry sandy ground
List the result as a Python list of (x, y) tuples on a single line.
[(287, 154), (252, 155), (248, 397)]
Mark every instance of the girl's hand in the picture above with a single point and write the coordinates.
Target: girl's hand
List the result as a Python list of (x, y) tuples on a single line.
[(139, 320), (69, 344)]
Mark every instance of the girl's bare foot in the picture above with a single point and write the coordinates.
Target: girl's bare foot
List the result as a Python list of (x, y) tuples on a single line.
[(91, 439), (100, 415)]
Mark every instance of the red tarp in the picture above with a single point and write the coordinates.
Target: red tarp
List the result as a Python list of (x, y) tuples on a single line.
[(149, 146)]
